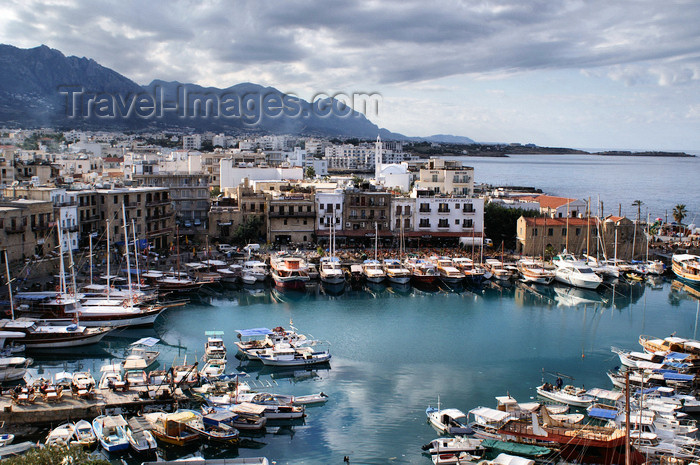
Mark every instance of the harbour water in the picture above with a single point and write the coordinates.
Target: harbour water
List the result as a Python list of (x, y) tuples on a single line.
[(395, 350), (661, 183)]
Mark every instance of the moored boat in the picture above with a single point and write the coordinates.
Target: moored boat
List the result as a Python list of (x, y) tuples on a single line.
[(110, 432), (289, 272), (687, 267)]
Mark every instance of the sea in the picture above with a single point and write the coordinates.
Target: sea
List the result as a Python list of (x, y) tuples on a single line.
[(397, 350)]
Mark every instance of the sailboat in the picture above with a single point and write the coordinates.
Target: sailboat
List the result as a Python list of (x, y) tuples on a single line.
[(330, 271), (177, 282)]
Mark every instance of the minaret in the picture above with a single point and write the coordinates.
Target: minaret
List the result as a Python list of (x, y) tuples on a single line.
[(377, 158)]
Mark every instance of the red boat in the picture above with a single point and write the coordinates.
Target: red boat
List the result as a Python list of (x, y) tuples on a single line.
[(289, 272)]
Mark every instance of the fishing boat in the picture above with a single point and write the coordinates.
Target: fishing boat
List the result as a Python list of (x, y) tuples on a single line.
[(84, 435), (248, 417), (422, 271), (286, 356), (498, 269), (39, 334), (111, 376), (289, 272), (142, 354), (253, 344), (276, 407), (139, 435), (213, 368), (110, 432), (13, 368), (214, 348), (61, 435), (248, 278), (170, 428), (373, 271), (396, 272), (178, 282), (6, 439), (312, 271), (450, 421), (310, 399), (533, 271), (214, 432), (686, 267), (575, 273), (220, 267), (447, 272), (485, 422), (569, 395), (457, 444), (330, 271)]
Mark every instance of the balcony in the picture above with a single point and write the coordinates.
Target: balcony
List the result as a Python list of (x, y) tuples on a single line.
[(41, 227), (154, 203), (158, 232), (72, 228), (443, 209), (424, 209), (443, 225), (292, 215), (15, 229), (468, 209), (131, 204)]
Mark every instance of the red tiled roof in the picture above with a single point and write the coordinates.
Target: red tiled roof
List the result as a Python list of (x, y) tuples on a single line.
[(560, 221), (550, 201)]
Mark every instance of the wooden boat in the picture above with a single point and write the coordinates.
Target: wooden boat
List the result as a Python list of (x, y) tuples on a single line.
[(498, 269), (330, 271), (13, 368), (310, 399), (447, 271), (61, 435), (422, 271), (111, 375), (286, 356), (170, 429), (213, 368), (485, 422), (249, 417), (39, 334), (6, 439), (373, 271), (84, 435), (276, 408), (215, 432), (142, 350), (686, 267), (532, 271), (253, 344), (289, 272), (473, 273), (110, 432), (140, 438), (396, 272)]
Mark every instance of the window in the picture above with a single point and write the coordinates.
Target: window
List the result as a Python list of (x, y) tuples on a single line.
[(424, 207), (424, 223), (304, 223), (281, 209), (468, 223), (407, 210), (457, 222), (563, 232), (578, 231), (272, 208), (398, 223), (398, 209), (550, 231), (455, 178), (443, 208), (435, 178), (285, 221), (406, 223), (443, 223), (534, 232), (337, 206), (320, 222), (308, 210), (252, 207)]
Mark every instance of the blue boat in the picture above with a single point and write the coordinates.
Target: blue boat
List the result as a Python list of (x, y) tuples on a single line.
[(110, 432)]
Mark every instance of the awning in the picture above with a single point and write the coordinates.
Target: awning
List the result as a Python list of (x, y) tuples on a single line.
[(605, 394), (676, 356), (602, 413), (489, 414), (678, 377), (254, 332), (146, 341), (248, 408)]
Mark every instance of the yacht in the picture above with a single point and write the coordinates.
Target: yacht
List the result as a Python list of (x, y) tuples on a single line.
[(533, 271), (498, 269), (289, 272), (13, 368), (37, 334), (448, 273), (256, 269), (687, 267), (422, 271), (575, 273), (474, 273)]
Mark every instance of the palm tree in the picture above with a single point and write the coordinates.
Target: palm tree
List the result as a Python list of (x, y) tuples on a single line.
[(679, 213), (638, 204)]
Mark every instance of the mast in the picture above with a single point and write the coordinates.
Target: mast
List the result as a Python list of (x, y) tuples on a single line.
[(376, 239), (136, 254), (628, 460), (568, 213), (109, 252), (126, 252), (647, 238), (62, 267), (588, 229), (90, 238), (72, 271), (615, 256), (634, 238), (544, 231), (177, 239), (9, 285)]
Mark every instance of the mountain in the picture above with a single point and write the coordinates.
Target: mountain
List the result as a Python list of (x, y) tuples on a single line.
[(444, 139)]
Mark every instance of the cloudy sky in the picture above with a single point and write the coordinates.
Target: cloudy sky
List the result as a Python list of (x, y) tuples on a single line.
[(589, 74)]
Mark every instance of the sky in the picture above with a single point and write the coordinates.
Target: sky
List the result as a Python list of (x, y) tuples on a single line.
[(587, 74)]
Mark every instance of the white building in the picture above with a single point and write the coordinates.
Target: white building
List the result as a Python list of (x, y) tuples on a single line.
[(390, 175), (329, 209), (193, 142), (67, 204), (350, 157), (448, 216), (181, 161), (446, 177), (232, 174)]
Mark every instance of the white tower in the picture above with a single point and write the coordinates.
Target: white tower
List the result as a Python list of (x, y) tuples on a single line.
[(377, 158)]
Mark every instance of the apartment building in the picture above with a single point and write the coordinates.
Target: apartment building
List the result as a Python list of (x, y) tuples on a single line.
[(291, 219), (449, 177), (27, 229)]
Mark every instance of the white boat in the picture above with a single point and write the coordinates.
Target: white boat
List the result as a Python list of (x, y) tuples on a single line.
[(312, 271), (651, 445), (534, 271), (330, 271), (276, 407), (111, 374), (373, 271), (252, 345), (422, 271), (474, 273), (61, 435), (83, 380), (256, 269), (450, 421), (396, 272), (248, 278), (84, 435), (456, 444), (575, 273), (485, 422), (286, 355), (135, 378), (289, 272), (569, 395), (201, 461), (110, 432), (214, 347), (310, 399), (140, 438), (498, 270), (6, 439), (13, 368), (213, 368), (142, 350)]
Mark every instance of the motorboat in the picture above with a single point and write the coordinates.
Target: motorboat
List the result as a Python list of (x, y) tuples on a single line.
[(450, 421), (256, 269), (13, 368), (276, 407), (330, 271), (142, 354), (568, 394), (83, 380), (422, 271), (486, 422), (470, 445), (373, 271), (61, 435), (110, 432), (498, 269), (139, 435), (575, 273), (83, 434), (219, 433), (170, 428), (686, 267), (111, 376), (448, 273), (213, 368), (270, 338), (534, 271), (214, 347), (473, 273), (39, 334), (312, 271), (396, 272), (289, 272), (286, 355), (241, 416)]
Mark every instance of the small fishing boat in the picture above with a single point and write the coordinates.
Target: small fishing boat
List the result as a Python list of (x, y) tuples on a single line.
[(140, 438), (6, 439), (84, 435), (110, 432), (13, 368), (286, 356), (449, 274), (142, 350), (276, 407), (214, 347), (61, 435), (310, 399), (450, 421), (395, 272), (170, 428), (457, 444), (111, 375), (290, 272), (569, 395), (330, 271), (215, 432), (533, 271), (213, 368)]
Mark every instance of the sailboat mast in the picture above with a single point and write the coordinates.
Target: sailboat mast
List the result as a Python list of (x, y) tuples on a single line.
[(9, 285), (634, 237), (126, 252), (647, 238), (615, 254), (72, 270), (568, 213), (376, 239), (588, 228), (177, 239), (90, 239), (136, 254), (62, 267), (109, 252)]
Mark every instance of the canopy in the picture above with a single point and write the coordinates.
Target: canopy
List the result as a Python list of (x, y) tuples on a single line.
[(254, 332), (213, 333), (136, 363), (676, 356), (505, 459), (678, 377), (489, 414), (693, 344), (605, 394), (603, 413), (452, 413), (146, 341), (248, 408)]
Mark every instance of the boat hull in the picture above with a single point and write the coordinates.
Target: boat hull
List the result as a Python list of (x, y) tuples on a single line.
[(399, 279), (333, 279)]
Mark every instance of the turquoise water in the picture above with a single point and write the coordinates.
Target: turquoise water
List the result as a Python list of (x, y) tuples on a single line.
[(395, 350), (661, 183)]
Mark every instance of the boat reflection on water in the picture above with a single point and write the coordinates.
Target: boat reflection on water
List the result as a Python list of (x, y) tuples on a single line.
[(575, 296), (332, 289), (683, 291)]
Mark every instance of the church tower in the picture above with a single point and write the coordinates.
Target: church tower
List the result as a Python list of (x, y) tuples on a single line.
[(377, 158)]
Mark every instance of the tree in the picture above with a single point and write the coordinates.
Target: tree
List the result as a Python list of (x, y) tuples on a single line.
[(638, 204), (55, 455), (500, 223), (310, 172), (215, 192), (679, 213), (248, 230)]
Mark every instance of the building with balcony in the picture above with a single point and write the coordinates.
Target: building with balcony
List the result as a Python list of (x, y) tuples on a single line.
[(445, 218), (535, 235), (448, 177), (329, 212), (363, 211), (27, 229), (291, 219)]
